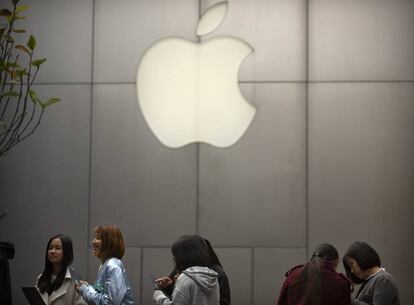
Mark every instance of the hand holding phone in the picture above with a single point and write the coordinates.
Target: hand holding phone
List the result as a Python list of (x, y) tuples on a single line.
[(163, 282)]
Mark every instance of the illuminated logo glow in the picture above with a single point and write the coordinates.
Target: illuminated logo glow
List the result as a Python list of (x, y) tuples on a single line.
[(188, 92)]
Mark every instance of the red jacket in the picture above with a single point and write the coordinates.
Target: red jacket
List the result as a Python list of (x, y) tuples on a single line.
[(336, 289)]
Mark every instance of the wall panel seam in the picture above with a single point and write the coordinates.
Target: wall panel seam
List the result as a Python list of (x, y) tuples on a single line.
[(88, 229)]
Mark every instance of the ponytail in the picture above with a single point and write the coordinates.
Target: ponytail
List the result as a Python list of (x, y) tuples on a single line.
[(309, 280)]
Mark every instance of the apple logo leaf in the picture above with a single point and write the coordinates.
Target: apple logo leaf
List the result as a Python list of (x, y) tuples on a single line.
[(212, 18)]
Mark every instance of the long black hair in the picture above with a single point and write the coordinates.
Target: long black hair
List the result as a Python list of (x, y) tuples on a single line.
[(189, 251), (309, 280), (364, 255), (45, 281), (213, 256)]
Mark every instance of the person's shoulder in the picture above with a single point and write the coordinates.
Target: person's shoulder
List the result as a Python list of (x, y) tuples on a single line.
[(291, 275), (114, 263), (384, 273), (337, 281), (332, 274), (217, 268), (341, 277), (336, 277), (294, 270), (384, 276), (183, 281)]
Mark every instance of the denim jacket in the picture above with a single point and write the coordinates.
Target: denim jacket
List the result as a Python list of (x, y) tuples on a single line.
[(111, 286)]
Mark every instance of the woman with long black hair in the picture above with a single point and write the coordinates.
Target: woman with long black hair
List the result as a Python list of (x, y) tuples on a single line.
[(55, 284), (215, 264), (196, 283), (316, 282), (223, 280)]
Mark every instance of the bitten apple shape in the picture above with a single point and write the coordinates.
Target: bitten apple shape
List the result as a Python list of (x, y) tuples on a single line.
[(189, 92)]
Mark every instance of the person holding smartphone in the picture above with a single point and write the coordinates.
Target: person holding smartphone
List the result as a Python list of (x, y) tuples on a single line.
[(196, 283), (167, 283), (111, 286)]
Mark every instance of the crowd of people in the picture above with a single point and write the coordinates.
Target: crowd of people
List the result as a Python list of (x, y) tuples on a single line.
[(198, 277)]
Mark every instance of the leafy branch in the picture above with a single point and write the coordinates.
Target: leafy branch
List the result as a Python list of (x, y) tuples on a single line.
[(21, 110)]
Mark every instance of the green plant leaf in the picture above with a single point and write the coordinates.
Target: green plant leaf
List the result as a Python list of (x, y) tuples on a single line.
[(12, 65), (34, 97), (20, 17), (21, 8), (22, 48), (19, 31), (49, 102), (5, 12), (11, 94), (31, 43), (3, 124), (38, 62), (10, 19), (20, 73)]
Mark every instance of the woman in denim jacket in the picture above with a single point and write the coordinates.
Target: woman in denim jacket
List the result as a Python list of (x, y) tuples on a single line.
[(111, 286)]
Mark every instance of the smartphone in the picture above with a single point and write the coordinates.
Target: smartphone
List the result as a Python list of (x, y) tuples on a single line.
[(154, 282)]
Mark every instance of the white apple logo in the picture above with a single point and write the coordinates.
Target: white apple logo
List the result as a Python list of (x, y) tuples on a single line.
[(188, 92)]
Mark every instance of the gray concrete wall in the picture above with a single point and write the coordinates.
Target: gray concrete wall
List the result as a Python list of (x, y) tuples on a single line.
[(328, 157)]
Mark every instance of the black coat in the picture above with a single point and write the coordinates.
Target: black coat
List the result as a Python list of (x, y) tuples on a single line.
[(6, 253)]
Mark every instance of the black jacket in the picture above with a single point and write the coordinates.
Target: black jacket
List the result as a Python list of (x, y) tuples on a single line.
[(6, 253)]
